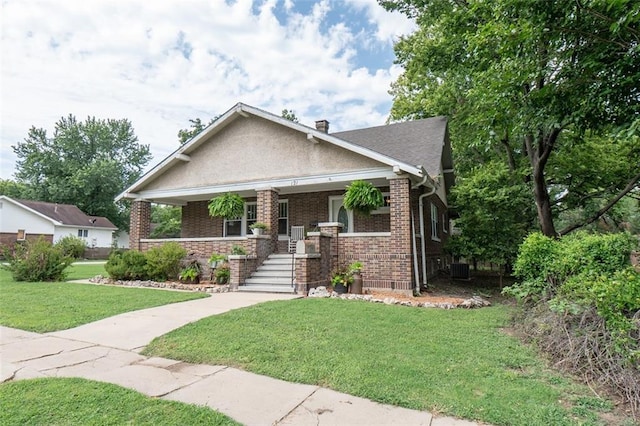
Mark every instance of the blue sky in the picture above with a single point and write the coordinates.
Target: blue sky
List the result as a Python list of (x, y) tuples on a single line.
[(161, 63)]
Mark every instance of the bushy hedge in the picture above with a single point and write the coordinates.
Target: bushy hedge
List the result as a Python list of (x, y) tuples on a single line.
[(72, 246), (581, 303), (163, 262), (37, 261), (127, 265), (158, 264)]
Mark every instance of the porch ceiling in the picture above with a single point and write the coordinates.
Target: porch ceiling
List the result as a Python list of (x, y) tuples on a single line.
[(378, 177)]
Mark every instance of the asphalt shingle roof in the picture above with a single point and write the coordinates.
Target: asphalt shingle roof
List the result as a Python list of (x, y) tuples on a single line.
[(418, 142), (67, 214)]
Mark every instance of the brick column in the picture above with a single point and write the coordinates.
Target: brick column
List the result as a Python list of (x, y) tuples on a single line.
[(139, 223), (332, 229), (268, 212), (400, 215)]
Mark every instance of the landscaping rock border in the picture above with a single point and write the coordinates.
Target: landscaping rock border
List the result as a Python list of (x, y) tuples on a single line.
[(472, 302), (171, 285)]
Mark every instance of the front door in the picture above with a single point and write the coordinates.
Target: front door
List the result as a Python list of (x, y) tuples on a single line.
[(338, 213)]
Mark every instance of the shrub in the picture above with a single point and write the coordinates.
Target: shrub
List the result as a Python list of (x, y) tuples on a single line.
[(37, 261), (72, 246), (238, 250), (163, 262), (127, 265)]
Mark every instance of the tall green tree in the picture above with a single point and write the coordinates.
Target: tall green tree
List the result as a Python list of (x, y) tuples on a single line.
[(86, 163), (13, 189), (166, 221), (195, 127), (531, 78)]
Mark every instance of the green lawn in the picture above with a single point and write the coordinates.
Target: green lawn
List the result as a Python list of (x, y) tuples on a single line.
[(63, 401), (79, 271), (44, 307), (457, 362)]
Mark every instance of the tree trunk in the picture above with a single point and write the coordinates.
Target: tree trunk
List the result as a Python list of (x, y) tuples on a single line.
[(538, 153)]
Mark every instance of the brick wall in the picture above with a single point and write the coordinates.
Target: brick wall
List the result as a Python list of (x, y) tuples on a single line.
[(8, 239), (268, 211), (400, 239)]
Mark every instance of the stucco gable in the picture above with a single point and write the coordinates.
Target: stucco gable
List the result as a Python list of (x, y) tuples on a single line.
[(255, 149)]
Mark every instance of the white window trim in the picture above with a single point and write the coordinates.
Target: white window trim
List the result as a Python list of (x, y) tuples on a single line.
[(287, 203), (24, 235), (434, 222), (383, 209), (335, 219), (243, 221)]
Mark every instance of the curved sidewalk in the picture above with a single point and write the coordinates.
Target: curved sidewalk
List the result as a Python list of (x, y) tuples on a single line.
[(107, 350)]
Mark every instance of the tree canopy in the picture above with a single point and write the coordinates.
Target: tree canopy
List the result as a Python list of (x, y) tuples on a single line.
[(194, 129), (552, 89), (86, 163)]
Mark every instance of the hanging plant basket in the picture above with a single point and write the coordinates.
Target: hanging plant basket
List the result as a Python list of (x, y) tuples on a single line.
[(228, 206), (363, 198)]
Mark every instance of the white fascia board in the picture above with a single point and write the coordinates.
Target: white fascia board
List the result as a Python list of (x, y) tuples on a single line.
[(97, 228), (275, 183), (29, 209)]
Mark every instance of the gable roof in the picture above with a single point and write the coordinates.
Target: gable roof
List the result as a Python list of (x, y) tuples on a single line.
[(63, 214), (416, 147)]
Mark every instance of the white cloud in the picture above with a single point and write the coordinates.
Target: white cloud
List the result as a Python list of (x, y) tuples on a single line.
[(161, 63)]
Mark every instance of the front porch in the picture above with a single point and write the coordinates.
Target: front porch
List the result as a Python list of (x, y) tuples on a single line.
[(382, 242)]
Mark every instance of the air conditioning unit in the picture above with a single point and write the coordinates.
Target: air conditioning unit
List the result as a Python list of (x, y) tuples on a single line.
[(460, 271)]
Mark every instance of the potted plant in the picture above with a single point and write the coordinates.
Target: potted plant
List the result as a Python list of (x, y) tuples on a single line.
[(362, 197), (216, 260), (258, 228), (341, 279), (222, 274), (190, 274), (355, 267), (228, 206)]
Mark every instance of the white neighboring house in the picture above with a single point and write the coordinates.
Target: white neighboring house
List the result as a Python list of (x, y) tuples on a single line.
[(26, 219)]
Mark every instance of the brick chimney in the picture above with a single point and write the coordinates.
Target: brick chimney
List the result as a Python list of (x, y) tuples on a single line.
[(322, 125)]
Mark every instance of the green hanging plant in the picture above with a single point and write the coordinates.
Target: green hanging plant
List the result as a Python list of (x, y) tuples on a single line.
[(228, 206), (363, 198)]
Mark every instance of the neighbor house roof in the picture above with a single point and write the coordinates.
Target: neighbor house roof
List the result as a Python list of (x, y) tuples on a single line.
[(64, 214)]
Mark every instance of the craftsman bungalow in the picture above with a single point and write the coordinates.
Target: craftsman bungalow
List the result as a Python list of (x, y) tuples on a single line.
[(293, 177)]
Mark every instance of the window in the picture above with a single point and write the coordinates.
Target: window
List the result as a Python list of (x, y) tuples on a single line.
[(251, 213), (21, 235), (434, 222), (445, 223), (83, 233), (283, 217), (386, 206)]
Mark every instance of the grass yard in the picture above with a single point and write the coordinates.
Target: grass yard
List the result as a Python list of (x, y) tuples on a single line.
[(79, 271), (44, 307), (455, 362), (63, 401)]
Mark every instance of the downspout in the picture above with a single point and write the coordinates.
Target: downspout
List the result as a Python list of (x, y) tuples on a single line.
[(426, 181)]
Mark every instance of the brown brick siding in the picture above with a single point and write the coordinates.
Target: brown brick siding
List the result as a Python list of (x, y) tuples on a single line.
[(139, 223), (8, 239)]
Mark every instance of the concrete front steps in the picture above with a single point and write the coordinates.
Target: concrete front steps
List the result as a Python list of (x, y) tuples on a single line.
[(275, 275)]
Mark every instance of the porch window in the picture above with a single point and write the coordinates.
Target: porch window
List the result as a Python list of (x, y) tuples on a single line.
[(283, 217), (434, 222), (251, 213)]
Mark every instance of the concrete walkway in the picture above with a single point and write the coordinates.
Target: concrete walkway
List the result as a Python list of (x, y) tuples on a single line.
[(108, 351)]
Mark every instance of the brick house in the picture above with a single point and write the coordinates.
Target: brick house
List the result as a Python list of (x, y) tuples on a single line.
[(293, 175)]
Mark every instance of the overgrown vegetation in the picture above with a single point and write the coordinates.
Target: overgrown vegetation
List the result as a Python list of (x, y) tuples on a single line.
[(37, 260), (158, 264), (581, 302)]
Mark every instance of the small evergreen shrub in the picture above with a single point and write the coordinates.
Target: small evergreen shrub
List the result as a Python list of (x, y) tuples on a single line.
[(163, 262), (127, 265), (37, 261), (72, 246)]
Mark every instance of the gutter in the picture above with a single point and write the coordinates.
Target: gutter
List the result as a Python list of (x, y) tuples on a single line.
[(429, 183)]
